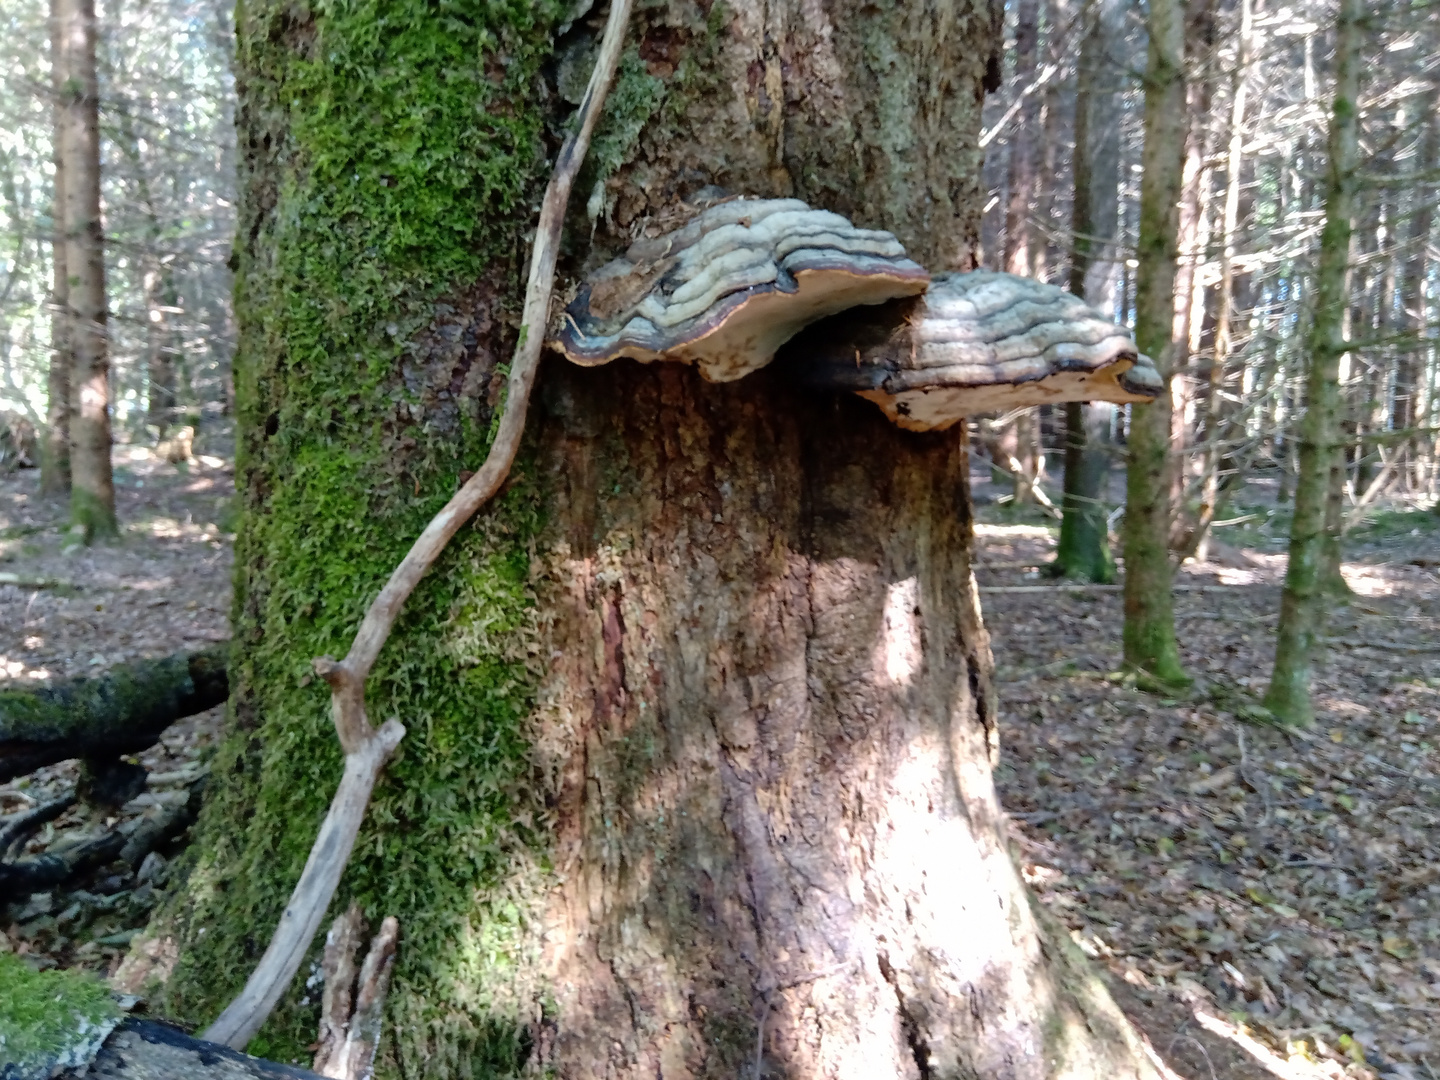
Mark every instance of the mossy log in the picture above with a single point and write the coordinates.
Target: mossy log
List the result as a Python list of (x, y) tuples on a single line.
[(123, 711), (145, 1050)]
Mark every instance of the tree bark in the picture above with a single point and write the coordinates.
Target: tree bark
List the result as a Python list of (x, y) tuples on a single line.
[(55, 451), (691, 703), (1220, 361), (92, 491), (1302, 600), (1019, 243), (1149, 632), (1083, 550)]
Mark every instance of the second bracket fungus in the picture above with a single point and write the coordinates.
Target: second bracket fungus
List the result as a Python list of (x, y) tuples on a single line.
[(976, 343), (732, 285)]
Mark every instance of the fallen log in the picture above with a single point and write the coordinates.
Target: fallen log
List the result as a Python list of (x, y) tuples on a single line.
[(144, 1050), (123, 711), (40, 872)]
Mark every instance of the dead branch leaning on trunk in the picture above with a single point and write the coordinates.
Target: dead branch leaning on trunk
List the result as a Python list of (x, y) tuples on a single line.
[(366, 747)]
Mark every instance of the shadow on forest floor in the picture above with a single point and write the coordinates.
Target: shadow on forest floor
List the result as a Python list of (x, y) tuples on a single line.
[(1267, 902)]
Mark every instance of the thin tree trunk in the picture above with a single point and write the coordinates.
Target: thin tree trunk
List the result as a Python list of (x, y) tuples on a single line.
[(1018, 256), (55, 452), (1149, 632), (1193, 231), (1302, 602), (1225, 292), (92, 492), (1083, 550), (1410, 373)]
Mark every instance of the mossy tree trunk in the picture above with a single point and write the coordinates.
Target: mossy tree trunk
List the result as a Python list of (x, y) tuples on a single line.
[(1149, 632), (1302, 603), (700, 711)]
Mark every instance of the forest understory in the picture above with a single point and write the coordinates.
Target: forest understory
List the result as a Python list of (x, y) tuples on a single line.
[(1267, 903)]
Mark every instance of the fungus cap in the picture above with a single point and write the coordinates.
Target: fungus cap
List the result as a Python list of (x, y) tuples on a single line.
[(728, 288), (977, 343)]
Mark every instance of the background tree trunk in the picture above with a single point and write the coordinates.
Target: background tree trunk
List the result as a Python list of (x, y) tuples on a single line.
[(92, 493), (1083, 550), (55, 452), (1149, 613), (694, 705), (1302, 601)]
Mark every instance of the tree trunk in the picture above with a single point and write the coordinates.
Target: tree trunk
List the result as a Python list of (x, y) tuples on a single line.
[(55, 451), (1083, 550), (1019, 242), (1302, 601), (1225, 291), (1411, 369), (92, 493), (1192, 232), (1149, 632), (693, 703)]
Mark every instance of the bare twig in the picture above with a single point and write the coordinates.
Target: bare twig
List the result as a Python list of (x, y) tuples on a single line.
[(363, 1038), (367, 748)]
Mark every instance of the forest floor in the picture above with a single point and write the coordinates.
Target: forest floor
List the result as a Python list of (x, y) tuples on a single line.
[(1266, 903), (163, 587)]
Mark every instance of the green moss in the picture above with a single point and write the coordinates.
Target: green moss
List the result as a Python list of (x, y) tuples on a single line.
[(394, 153), (51, 1017), (634, 98), (91, 517)]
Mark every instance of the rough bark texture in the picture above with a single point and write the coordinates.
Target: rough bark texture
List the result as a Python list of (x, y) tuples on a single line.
[(1149, 634), (92, 491), (697, 778), (1302, 607), (121, 712), (1083, 549)]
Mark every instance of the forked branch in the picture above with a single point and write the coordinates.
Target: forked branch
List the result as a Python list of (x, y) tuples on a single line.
[(366, 747)]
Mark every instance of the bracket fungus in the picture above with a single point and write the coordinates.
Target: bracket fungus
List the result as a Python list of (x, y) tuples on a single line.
[(725, 290), (975, 343)]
